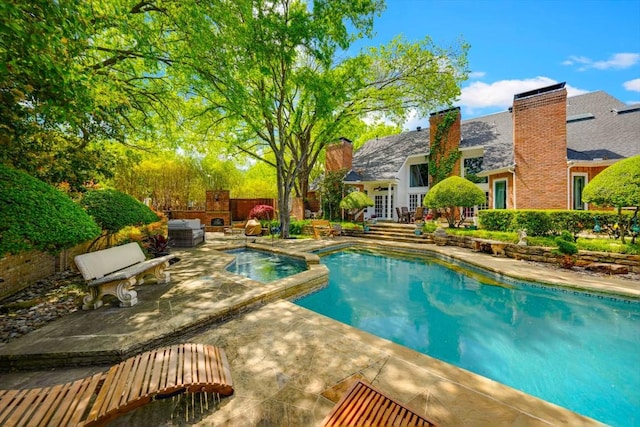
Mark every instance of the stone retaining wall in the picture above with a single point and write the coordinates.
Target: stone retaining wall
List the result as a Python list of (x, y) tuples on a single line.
[(19, 271), (544, 254)]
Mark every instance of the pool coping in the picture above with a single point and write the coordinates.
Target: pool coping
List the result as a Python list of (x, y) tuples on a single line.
[(68, 345)]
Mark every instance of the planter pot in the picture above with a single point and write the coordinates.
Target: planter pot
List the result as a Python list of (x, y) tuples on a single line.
[(417, 232), (440, 237), (366, 228)]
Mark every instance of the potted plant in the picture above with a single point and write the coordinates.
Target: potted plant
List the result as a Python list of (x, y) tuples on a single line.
[(419, 225), (440, 236)]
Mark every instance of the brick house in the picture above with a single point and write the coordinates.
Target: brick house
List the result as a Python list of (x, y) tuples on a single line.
[(537, 155)]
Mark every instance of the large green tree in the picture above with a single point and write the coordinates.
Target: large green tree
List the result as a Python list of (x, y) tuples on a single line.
[(277, 74), (73, 74)]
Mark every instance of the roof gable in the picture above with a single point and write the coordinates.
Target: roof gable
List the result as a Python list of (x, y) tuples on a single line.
[(380, 159), (598, 127)]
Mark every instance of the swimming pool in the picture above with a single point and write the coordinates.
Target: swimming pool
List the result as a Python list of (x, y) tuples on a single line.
[(575, 349), (262, 266)]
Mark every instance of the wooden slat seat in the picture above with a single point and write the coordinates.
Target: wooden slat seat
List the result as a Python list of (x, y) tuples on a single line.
[(322, 227), (193, 368), (363, 405)]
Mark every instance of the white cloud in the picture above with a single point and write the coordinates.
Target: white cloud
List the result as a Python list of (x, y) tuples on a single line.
[(479, 98), (577, 60), (477, 74), (499, 95), (413, 121), (617, 61), (632, 85)]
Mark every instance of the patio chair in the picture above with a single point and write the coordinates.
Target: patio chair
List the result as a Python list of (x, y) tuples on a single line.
[(363, 405), (399, 214), (418, 215), (406, 215)]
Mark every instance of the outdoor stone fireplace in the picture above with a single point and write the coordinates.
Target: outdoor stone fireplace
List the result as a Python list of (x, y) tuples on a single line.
[(217, 214), (217, 222)]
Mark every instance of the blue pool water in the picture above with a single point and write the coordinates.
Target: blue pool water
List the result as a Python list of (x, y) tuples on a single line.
[(264, 266), (578, 350)]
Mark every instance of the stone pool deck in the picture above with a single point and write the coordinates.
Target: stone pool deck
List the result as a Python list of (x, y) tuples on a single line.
[(289, 364)]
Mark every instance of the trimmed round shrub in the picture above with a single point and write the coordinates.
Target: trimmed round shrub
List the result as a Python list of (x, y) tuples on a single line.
[(114, 210), (452, 193), (565, 242), (565, 247), (35, 215)]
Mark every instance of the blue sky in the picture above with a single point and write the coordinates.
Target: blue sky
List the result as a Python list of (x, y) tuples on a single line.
[(520, 45)]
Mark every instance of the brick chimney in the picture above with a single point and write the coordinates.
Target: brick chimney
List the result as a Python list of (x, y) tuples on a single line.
[(450, 142), (540, 148), (339, 155)]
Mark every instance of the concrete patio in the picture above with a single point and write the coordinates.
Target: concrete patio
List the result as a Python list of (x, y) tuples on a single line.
[(289, 365)]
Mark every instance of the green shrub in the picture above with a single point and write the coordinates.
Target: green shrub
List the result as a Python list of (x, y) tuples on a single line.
[(567, 236), (566, 245), (113, 210), (550, 222), (429, 227), (34, 215), (295, 227), (495, 219), (566, 248), (451, 193), (573, 221), (536, 222)]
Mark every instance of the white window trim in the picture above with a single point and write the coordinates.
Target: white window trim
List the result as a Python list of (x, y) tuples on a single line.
[(586, 181), (506, 192)]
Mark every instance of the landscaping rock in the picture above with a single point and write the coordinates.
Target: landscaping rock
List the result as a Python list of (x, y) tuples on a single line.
[(600, 267), (40, 303)]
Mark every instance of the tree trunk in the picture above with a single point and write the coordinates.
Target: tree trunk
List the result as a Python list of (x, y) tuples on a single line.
[(284, 192)]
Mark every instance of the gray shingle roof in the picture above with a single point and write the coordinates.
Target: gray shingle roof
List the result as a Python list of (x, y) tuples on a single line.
[(611, 133), (381, 159), (608, 135)]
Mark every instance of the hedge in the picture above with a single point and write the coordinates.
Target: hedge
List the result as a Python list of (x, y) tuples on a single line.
[(114, 210), (35, 215), (548, 222)]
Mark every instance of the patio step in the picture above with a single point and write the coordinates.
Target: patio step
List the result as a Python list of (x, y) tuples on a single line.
[(389, 231)]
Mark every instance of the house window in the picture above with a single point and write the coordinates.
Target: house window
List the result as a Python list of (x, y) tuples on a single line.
[(473, 211), (419, 175), (486, 202), (382, 204), (472, 167), (579, 181), (500, 194), (415, 200)]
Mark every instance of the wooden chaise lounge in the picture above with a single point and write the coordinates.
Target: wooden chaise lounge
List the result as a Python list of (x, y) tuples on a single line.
[(363, 405), (136, 381)]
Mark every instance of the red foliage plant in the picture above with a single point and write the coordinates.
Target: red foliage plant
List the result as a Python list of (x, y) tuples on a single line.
[(262, 212)]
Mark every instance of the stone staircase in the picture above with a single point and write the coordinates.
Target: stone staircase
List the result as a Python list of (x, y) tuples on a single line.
[(396, 232)]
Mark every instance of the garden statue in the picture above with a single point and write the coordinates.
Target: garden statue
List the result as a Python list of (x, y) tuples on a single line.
[(522, 237)]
